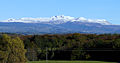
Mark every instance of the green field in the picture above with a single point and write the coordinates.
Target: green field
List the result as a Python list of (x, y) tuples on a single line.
[(69, 62)]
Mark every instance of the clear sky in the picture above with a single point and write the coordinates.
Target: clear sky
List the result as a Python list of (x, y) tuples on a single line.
[(94, 9)]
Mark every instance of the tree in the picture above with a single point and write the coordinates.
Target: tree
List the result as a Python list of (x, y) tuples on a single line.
[(116, 43), (4, 48), (79, 54), (11, 50)]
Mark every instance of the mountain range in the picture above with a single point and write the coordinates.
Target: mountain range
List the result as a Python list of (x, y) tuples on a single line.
[(58, 25)]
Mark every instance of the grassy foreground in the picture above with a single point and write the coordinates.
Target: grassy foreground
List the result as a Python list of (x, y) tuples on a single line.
[(69, 62)]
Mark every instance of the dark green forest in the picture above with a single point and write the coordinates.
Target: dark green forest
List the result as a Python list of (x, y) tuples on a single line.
[(76, 46)]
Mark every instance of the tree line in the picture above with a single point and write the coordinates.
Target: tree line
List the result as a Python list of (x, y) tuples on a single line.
[(76, 46)]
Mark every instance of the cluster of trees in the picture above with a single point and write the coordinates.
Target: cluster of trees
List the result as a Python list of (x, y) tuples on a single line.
[(73, 47), (20, 48), (11, 50)]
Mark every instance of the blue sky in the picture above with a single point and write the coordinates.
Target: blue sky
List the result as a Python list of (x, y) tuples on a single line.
[(94, 9)]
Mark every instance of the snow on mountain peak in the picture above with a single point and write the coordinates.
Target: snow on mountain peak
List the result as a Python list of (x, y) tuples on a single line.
[(62, 17), (59, 19)]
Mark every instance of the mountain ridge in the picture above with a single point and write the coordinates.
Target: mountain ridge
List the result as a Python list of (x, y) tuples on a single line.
[(58, 20), (58, 25)]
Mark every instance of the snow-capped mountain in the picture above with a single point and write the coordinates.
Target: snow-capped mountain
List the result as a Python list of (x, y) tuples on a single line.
[(57, 25), (58, 20)]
